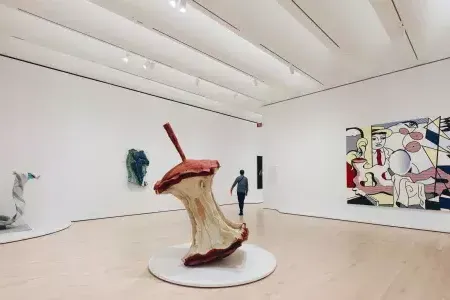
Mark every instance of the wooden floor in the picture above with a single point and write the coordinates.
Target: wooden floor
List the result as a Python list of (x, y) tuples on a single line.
[(317, 259)]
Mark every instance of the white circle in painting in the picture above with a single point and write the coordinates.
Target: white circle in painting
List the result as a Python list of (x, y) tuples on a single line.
[(247, 264), (400, 162)]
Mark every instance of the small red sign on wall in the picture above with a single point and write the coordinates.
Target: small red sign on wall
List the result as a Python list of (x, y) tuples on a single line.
[(259, 125)]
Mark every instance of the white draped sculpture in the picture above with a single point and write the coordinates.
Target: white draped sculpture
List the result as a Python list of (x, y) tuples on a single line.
[(17, 194)]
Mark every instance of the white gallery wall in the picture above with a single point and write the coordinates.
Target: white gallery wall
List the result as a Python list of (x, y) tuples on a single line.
[(76, 132), (304, 144)]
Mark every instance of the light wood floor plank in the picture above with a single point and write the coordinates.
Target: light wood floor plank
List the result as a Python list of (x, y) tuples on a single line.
[(317, 259)]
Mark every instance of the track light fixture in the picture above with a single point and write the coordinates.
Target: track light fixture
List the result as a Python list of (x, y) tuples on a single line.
[(126, 58), (255, 82), (292, 69), (206, 100), (197, 81), (182, 6), (148, 64), (173, 3)]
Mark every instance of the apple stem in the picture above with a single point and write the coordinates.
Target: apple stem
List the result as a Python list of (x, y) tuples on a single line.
[(174, 140)]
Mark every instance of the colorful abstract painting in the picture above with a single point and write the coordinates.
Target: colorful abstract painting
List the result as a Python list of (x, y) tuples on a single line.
[(404, 164)]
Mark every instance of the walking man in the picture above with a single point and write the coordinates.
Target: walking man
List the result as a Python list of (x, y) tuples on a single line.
[(242, 190)]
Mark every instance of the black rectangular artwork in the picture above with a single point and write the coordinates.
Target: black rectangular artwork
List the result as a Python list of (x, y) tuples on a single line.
[(259, 168)]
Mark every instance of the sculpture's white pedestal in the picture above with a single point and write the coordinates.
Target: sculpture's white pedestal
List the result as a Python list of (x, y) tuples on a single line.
[(44, 229), (247, 264)]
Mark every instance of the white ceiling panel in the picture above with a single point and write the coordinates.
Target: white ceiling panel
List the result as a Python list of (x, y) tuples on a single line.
[(95, 21), (280, 34), (215, 39), (233, 55), (24, 50), (428, 25)]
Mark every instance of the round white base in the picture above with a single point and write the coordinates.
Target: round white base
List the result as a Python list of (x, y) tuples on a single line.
[(247, 264), (33, 232)]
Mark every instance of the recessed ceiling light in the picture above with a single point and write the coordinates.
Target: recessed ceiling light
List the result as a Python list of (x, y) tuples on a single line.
[(182, 6)]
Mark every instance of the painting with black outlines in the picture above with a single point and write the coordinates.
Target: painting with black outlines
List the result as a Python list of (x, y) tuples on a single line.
[(402, 164)]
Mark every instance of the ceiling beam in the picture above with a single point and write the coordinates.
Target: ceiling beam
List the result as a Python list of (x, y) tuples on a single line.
[(234, 29), (315, 24), (404, 28), (255, 43), (208, 11), (135, 53), (279, 57), (164, 34), (209, 81), (294, 9), (124, 87), (388, 18), (113, 68)]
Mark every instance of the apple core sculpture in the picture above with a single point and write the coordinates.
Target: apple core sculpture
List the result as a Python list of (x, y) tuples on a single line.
[(213, 236)]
